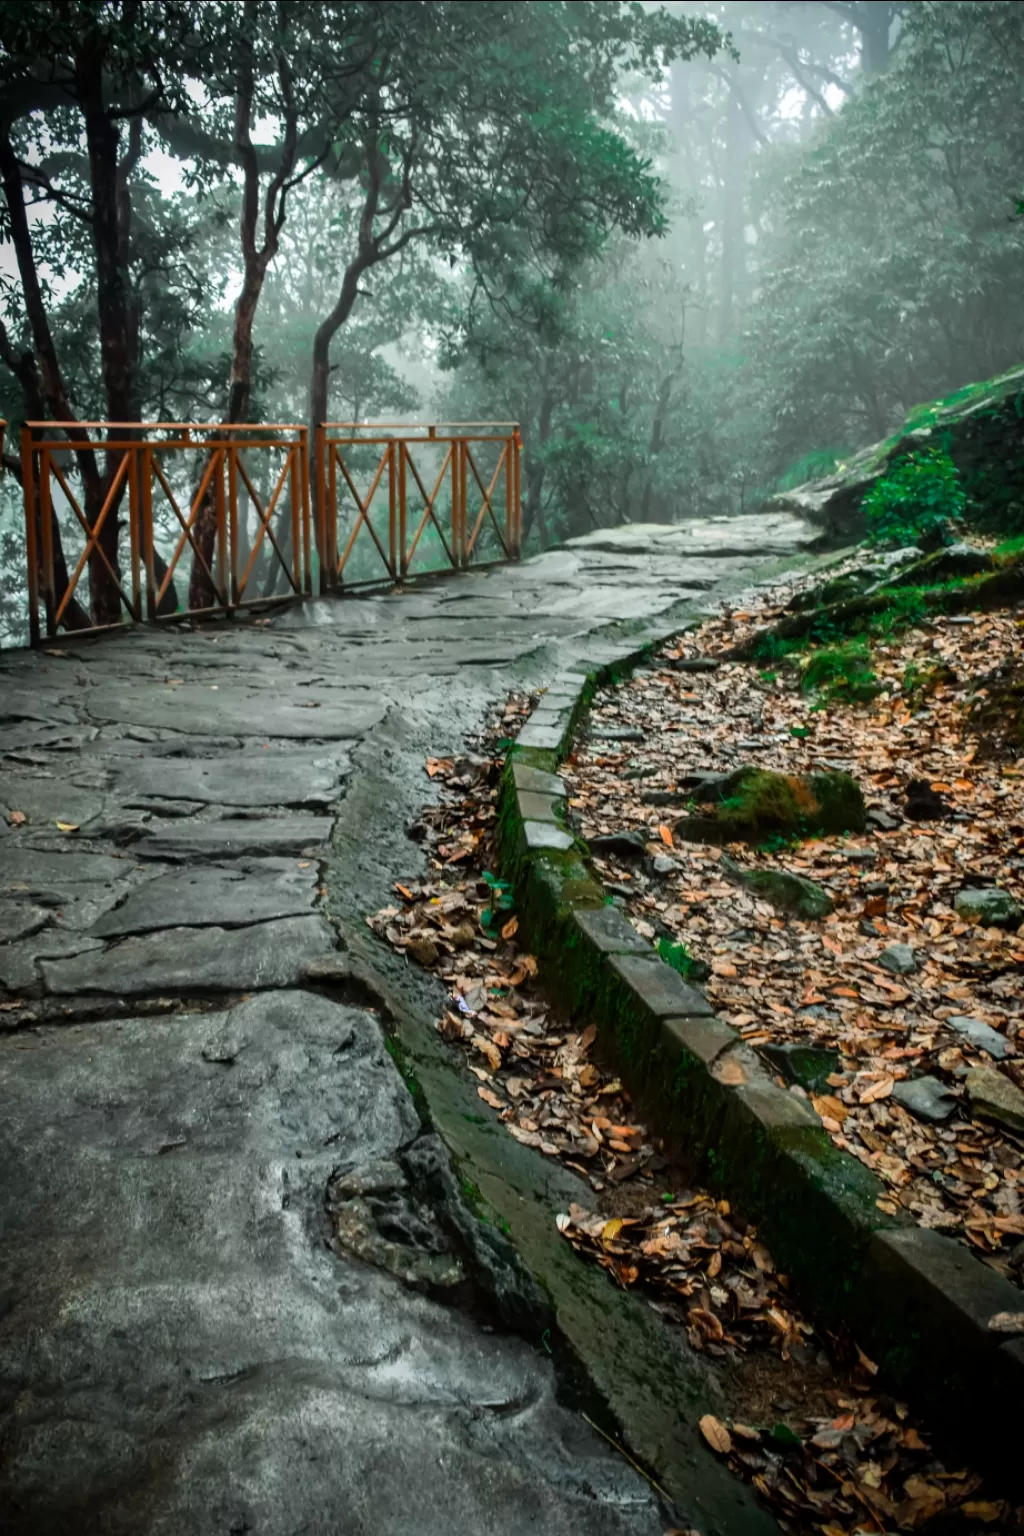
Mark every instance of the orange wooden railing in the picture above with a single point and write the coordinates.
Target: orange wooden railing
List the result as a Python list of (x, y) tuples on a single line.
[(119, 514), (396, 508)]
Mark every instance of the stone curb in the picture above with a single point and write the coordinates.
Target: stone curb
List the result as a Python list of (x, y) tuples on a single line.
[(917, 1301)]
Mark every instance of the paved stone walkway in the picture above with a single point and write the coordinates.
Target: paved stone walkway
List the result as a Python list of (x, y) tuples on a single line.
[(199, 1120)]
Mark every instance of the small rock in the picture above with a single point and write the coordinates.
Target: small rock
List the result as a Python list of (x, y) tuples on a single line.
[(875, 888), (980, 1034), (664, 797), (695, 664), (924, 803), (806, 1066), (624, 845), (926, 1097), (862, 856), (990, 907), (899, 959), (884, 821), (868, 929), (424, 951), (960, 618), (994, 1097), (788, 893), (663, 865), (615, 733)]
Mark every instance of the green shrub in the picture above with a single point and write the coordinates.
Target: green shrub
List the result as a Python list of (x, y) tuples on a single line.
[(841, 672), (916, 500)]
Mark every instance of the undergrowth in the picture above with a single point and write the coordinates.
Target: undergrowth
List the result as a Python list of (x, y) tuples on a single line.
[(916, 500)]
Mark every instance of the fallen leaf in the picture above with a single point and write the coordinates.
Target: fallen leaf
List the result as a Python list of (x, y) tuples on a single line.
[(1007, 1322), (716, 1434), (67, 826), (16, 818), (665, 833), (511, 928)]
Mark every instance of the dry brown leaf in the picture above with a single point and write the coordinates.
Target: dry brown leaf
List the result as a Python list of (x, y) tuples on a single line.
[(716, 1434)]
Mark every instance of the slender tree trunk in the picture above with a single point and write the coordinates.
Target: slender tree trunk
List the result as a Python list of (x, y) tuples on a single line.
[(256, 259)]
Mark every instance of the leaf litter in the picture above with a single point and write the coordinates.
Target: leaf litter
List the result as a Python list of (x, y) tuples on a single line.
[(821, 984), (827, 1451)]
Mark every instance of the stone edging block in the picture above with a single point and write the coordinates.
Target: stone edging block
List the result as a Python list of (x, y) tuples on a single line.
[(919, 1300)]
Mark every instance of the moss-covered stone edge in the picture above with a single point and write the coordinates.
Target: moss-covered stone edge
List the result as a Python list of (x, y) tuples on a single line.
[(731, 1125)]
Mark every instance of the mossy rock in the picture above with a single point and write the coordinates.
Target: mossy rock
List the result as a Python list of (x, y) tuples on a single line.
[(756, 803), (792, 894)]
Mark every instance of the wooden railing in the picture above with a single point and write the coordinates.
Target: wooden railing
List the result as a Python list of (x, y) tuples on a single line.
[(396, 526), (128, 522)]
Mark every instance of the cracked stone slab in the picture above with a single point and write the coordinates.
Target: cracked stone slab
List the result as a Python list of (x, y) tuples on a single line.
[(233, 837), (245, 779), (44, 801), (195, 960), (24, 869), (212, 895), (206, 709), (230, 1371)]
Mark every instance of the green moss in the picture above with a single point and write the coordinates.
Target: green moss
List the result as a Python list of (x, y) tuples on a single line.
[(762, 804)]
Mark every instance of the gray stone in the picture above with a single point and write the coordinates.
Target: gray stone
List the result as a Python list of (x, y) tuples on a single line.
[(615, 733), (926, 1097), (980, 1035), (195, 960), (24, 870), (535, 807), (660, 989), (792, 894), (994, 1097), (45, 801), (212, 895), (990, 908), (229, 709), (622, 845), (548, 737), (608, 931), (236, 778), (899, 959), (20, 962), (695, 664), (705, 1037), (534, 781), (233, 837), (545, 834), (19, 919), (883, 820), (808, 1065), (164, 1250), (663, 865)]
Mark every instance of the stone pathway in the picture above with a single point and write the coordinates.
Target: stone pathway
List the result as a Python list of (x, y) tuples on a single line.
[(199, 1109)]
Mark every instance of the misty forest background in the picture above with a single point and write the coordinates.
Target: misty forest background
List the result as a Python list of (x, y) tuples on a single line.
[(700, 253)]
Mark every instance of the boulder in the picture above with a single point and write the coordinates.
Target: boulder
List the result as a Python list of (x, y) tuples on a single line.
[(757, 803)]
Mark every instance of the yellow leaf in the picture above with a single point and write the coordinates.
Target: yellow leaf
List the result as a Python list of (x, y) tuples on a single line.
[(716, 1434), (611, 1229), (67, 826)]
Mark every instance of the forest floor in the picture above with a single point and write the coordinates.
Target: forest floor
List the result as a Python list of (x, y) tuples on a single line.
[(905, 1015)]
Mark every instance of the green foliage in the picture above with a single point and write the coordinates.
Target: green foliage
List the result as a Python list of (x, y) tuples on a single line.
[(916, 501), (677, 956), (502, 901), (840, 673)]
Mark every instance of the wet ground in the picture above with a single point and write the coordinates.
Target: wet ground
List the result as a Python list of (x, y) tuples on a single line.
[(194, 1061)]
